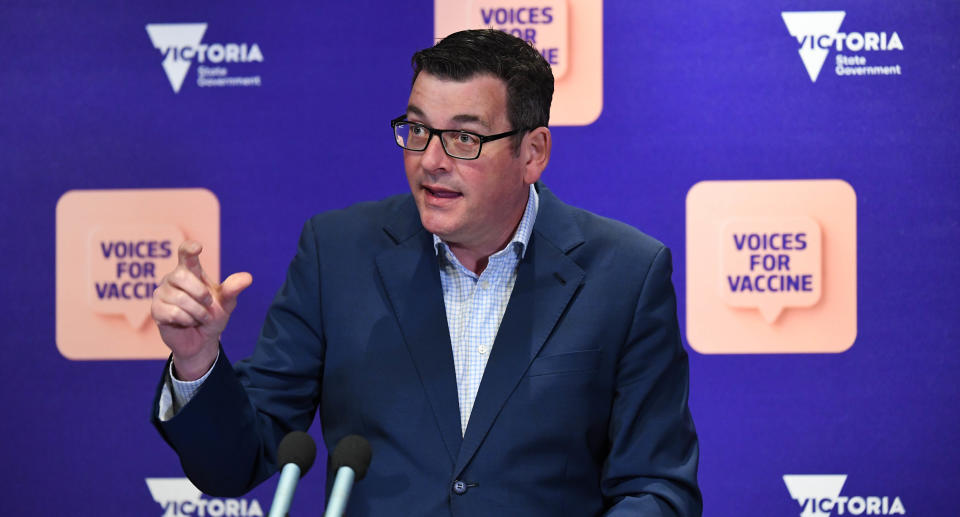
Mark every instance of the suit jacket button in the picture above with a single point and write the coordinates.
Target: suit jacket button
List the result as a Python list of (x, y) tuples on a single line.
[(459, 487)]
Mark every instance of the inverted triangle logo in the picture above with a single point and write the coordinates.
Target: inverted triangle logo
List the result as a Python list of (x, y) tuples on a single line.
[(809, 490), (169, 39), (815, 32), (170, 493)]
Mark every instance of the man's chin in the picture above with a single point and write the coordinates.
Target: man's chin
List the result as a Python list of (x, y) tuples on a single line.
[(440, 226)]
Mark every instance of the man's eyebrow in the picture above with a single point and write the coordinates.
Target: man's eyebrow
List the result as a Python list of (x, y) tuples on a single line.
[(411, 109), (471, 118)]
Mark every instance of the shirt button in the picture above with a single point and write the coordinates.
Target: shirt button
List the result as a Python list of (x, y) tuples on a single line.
[(485, 285), (482, 349), (459, 487)]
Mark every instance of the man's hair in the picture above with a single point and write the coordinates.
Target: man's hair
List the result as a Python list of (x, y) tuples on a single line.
[(466, 54)]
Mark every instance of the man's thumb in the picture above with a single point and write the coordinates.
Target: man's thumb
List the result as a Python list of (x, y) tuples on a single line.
[(234, 285)]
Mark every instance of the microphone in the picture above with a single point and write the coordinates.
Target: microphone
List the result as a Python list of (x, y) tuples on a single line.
[(296, 453), (351, 457)]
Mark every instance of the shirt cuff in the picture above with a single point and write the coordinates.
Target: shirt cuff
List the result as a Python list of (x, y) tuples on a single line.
[(176, 393)]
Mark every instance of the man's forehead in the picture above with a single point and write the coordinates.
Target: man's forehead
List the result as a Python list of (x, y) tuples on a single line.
[(413, 109), (480, 99)]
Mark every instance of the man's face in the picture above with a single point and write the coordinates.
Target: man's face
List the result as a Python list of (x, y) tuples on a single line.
[(474, 204)]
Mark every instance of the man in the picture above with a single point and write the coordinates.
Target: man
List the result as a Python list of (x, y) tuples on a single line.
[(501, 351)]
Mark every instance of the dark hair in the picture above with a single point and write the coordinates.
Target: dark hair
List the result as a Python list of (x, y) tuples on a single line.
[(465, 54)]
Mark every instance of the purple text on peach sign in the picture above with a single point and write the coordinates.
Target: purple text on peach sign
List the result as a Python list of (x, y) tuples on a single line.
[(770, 263), (126, 263), (543, 24), (112, 247), (729, 306)]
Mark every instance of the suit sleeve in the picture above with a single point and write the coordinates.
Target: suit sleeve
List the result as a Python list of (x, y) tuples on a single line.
[(651, 468), (227, 435)]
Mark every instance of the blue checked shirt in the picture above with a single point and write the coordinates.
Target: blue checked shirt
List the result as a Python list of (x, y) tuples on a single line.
[(475, 305)]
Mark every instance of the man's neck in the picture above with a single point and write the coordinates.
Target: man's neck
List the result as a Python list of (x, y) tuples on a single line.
[(475, 258)]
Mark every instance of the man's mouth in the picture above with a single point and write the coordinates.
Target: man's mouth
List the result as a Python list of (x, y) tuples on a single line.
[(441, 193)]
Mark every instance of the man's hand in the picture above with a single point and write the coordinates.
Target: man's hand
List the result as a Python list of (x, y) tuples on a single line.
[(191, 311)]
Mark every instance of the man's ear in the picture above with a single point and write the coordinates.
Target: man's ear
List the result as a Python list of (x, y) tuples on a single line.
[(535, 152)]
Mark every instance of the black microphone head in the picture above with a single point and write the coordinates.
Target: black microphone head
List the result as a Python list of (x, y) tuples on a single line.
[(353, 451), (297, 447)]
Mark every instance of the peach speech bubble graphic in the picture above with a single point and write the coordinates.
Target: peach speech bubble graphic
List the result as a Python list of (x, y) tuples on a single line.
[(567, 33), (771, 266), (113, 247), (771, 263), (126, 263)]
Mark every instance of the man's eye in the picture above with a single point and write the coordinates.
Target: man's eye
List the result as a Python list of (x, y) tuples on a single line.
[(467, 139), (418, 130)]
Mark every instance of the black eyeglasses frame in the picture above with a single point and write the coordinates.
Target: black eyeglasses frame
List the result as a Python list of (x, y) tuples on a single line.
[(439, 132)]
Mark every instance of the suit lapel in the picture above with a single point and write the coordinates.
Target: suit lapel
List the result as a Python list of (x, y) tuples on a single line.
[(547, 279), (410, 275)]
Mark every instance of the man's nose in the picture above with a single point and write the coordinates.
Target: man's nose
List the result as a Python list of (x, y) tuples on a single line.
[(434, 157)]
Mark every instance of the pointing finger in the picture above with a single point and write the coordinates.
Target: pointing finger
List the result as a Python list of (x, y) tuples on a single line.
[(189, 257)]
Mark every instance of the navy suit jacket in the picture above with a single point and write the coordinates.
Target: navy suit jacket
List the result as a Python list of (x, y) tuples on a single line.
[(582, 408)]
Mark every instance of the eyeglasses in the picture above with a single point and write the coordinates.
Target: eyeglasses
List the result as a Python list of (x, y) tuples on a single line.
[(457, 143)]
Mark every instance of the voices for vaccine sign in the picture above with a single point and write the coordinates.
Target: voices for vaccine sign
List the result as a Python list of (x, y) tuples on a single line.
[(771, 266), (567, 33), (113, 249), (770, 263)]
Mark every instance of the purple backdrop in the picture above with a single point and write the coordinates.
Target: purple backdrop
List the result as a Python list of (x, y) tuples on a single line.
[(692, 91)]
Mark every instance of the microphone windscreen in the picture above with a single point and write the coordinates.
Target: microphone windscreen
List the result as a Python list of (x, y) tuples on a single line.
[(353, 451), (297, 447)]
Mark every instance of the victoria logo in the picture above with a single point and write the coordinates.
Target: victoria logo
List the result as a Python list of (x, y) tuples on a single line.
[(179, 498), (817, 31), (169, 38), (814, 31), (819, 496), (180, 44)]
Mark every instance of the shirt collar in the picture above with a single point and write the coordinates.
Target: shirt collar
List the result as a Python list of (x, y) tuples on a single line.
[(521, 237)]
